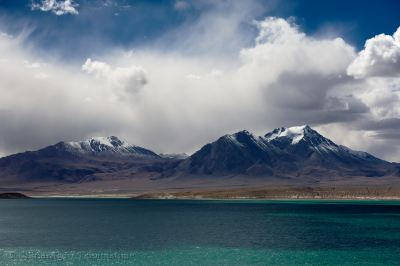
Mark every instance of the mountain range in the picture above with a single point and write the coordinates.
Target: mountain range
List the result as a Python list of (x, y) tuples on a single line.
[(295, 153), (299, 151)]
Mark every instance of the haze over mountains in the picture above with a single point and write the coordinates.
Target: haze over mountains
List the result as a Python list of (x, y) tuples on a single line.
[(299, 153)]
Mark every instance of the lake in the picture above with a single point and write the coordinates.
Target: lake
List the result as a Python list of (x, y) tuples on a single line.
[(193, 232)]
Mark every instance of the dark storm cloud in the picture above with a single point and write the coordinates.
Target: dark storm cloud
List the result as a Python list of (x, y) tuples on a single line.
[(384, 124)]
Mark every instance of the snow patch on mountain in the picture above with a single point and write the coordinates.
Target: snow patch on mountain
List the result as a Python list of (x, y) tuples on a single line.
[(233, 139), (107, 145), (296, 134), (177, 156), (297, 139), (307, 137)]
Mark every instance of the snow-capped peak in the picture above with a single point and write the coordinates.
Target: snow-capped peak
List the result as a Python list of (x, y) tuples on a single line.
[(107, 145), (111, 141), (296, 133), (243, 139), (312, 139)]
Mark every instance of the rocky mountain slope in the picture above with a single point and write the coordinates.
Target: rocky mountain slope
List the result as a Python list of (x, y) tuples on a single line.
[(88, 160), (285, 152), (100, 146), (294, 153)]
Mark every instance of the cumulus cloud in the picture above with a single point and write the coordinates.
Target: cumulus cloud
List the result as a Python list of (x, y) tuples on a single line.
[(31, 65), (382, 96), (58, 7), (282, 45), (380, 57), (130, 79), (294, 72), (377, 69), (191, 104), (214, 78), (45, 105)]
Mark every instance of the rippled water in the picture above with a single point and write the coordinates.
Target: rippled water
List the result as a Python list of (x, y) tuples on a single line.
[(184, 232)]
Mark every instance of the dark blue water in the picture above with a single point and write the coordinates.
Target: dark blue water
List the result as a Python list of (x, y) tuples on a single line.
[(176, 232)]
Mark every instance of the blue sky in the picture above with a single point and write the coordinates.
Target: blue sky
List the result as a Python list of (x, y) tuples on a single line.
[(131, 23), (173, 75)]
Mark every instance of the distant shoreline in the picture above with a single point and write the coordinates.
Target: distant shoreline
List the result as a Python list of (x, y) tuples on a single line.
[(265, 192), (141, 197), (293, 193), (277, 199), (13, 195)]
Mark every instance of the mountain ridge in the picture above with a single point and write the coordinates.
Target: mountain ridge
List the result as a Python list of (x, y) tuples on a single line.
[(293, 153), (87, 160), (284, 151), (107, 145)]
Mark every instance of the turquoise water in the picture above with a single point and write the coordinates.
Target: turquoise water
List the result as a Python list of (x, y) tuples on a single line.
[(203, 232)]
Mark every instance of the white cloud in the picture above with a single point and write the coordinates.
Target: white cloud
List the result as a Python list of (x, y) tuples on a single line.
[(41, 75), (281, 47), (277, 81), (39, 108), (131, 79), (221, 31), (212, 80), (58, 7), (382, 95), (31, 65), (193, 76), (380, 57), (277, 30), (293, 71), (377, 69), (5, 35), (181, 5)]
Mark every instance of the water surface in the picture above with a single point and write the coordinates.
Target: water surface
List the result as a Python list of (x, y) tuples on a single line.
[(124, 231)]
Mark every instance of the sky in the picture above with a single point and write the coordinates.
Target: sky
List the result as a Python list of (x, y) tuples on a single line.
[(174, 75)]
